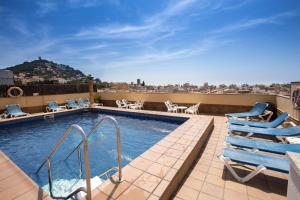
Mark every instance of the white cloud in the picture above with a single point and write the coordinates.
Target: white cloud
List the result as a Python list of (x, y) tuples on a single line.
[(13, 53), (151, 26), (128, 45), (45, 6), (242, 25), (236, 5), (163, 24), (18, 25), (91, 3), (157, 55)]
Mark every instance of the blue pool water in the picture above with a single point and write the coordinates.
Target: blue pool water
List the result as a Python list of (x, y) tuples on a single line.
[(28, 143)]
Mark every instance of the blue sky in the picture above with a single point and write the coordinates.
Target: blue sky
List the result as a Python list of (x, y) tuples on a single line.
[(159, 41)]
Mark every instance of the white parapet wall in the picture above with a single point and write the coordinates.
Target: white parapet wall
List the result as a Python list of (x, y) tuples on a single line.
[(294, 177), (217, 99), (285, 104)]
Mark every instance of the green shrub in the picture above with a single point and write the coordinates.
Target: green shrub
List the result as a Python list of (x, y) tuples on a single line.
[(97, 99)]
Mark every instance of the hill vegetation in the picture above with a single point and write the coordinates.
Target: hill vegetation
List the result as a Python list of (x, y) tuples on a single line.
[(42, 70)]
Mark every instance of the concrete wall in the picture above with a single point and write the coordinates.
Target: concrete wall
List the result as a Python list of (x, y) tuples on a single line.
[(37, 103), (285, 104), (210, 103), (223, 99)]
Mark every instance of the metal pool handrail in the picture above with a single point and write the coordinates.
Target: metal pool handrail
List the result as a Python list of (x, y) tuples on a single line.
[(118, 141), (86, 161)]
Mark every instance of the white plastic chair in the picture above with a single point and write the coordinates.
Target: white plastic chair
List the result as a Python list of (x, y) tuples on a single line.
[(171, 107), (120, 104), (139, 105), (193, 109)]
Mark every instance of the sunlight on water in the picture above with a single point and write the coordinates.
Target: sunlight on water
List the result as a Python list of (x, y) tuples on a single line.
[(63, 187), (29, 143)]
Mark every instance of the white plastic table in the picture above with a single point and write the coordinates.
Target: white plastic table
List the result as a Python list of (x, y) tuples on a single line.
[(181, 108)]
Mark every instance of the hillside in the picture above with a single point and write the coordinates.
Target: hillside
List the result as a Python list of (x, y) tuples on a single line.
[(45, 70)]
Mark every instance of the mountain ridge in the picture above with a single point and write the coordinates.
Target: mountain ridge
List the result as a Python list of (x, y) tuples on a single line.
[(45, 70)]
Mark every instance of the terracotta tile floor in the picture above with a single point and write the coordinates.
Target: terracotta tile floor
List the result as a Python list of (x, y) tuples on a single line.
[(209, 180)]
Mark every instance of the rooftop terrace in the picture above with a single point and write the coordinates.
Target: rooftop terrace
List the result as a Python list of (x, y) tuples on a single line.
[(209, 179), (184, 165)]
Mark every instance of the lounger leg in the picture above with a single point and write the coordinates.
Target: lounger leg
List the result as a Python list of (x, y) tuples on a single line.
[(241, 148), (258, 170), (270, 115), (249, 135), (232, 133), (281, 139)]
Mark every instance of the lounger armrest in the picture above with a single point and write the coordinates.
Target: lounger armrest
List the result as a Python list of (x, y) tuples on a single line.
[(48, 109), (288, 124), (267, 113), (3, 116)]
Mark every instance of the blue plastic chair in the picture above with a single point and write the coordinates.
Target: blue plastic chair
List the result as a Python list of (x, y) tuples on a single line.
[(279, 120), (261, 161), (87, 102), (53, 106), (71, 104), (14, 110), (260, 145), (83, 103), (257, 110)]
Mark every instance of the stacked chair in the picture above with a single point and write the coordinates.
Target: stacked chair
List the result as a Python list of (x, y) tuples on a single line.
[(71, 104), (120, 104), (54, 107), (84, 103), (258, 143), (125, 104)]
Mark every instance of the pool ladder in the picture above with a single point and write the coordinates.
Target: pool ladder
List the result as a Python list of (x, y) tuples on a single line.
[(84, 142)]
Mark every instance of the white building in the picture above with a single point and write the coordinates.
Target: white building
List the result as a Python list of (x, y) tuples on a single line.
[(6, 77)]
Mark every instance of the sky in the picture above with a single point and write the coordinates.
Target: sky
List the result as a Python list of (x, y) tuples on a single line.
[(159, 41)]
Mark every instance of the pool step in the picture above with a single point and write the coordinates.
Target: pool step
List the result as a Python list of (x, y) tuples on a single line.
[(64, 187), (83, 144), (49, 116)]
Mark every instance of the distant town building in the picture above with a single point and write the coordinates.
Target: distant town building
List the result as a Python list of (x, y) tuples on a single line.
[(138, 81), (120, 86), (6, 77)]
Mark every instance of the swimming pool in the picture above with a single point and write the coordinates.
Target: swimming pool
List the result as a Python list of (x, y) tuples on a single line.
[(28, 143)]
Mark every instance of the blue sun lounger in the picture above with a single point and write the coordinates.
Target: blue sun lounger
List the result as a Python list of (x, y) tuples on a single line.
[(279, 120), (83, 103), (259, 145), (290, 131), (279, 133), (87, 101), (53, 107), (261, 161), (257, 110), (71, 104), (14, 110)]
